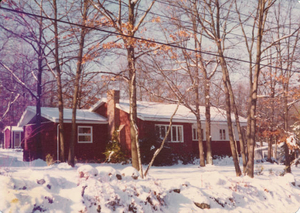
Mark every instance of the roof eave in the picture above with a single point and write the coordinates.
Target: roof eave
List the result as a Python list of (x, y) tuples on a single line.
[(82, 121), (155, 119), (97, 105)]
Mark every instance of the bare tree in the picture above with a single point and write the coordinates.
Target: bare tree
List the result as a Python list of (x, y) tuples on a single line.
[(285, 60), (127, 30), (215, 25), (80, 58), (259, 28), (33, 34), (58, 76)]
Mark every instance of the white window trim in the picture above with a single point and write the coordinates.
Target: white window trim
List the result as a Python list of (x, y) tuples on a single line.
[(196, 133), (171, 132), (222, 133), (85, 134)]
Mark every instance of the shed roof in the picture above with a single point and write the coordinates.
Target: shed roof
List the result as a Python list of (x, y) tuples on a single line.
[(52, 114), (14, 129)]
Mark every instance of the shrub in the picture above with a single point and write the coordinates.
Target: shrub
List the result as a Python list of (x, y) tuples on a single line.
[(49, 160), (166, 157), (113, 151)]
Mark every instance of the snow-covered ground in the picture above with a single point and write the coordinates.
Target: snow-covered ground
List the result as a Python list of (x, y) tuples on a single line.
[(36, 187)]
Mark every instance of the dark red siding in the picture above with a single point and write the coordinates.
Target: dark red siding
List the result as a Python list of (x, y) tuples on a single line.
[(7, 134), (148, 127), (83, 151), (125, 139), (102, 110)]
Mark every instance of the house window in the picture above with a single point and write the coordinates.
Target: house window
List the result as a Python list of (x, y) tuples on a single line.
[(176, 133), (194, 133), (222, 134), (85, 134)]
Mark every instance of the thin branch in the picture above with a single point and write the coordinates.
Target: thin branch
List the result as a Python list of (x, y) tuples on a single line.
[(164, 140), (18, 80), (8, 107)]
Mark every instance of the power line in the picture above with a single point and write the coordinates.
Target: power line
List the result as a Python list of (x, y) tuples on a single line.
[(232, 11), (167, 17), (143, 39), (189, 28)]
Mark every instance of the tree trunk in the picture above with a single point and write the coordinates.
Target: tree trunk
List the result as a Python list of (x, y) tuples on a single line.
[(229, 121), (196, 89), (269, 148), (71, 159), (207, 123), (133, 111), (59, 88), (253, 97), (276, 146), (287, 162), (227, 88), (135, 152), (39, 91)]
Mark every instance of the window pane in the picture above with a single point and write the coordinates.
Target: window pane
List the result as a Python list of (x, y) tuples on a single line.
[(174, 133), (163, 132), (157, 132), (83, 130), (180, 133), (84, 138), (194, 134), (85, 134)]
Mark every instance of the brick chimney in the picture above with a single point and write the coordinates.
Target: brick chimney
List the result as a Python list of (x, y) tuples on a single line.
[(113, 114)]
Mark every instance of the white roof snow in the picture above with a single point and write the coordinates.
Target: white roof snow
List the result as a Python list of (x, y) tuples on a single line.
[(152, 111), (14, 128), (52, 114)]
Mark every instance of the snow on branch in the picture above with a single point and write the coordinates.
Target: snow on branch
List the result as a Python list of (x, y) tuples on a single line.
[(293, 102)]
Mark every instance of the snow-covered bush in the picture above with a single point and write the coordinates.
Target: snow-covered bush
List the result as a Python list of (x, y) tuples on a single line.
[(87, 171)]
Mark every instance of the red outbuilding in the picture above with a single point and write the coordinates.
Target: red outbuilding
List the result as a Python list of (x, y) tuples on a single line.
[(13, 137)]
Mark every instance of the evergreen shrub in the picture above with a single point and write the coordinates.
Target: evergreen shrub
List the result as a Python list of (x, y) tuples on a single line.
[(113, 151)]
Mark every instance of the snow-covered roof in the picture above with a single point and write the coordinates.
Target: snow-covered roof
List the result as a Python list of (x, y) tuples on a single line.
[(14, 128), (265, 146), (52, 114), (153, 111)]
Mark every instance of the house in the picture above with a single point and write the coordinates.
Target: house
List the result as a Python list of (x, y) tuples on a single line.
[(13, 136), (154, 118), (261, 151), (91, 133), (96, 126)]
